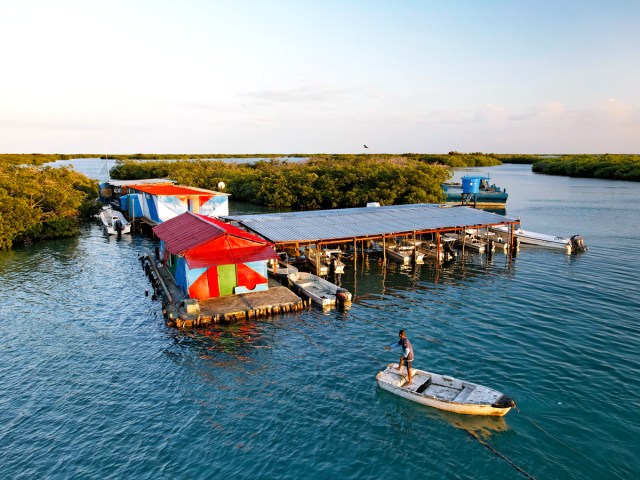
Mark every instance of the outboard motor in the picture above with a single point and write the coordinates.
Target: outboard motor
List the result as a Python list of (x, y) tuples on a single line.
[(449, 252), (577, 244), (504, 402), (118, 228), (343, 297)]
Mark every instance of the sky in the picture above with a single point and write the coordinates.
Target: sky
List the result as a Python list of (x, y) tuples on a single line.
[(323, 76)]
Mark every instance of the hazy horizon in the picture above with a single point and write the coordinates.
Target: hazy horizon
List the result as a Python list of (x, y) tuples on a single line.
[(239, 77)]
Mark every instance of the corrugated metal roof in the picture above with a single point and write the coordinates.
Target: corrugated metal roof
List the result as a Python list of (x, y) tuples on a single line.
[(174, 190), (190, 230), (347, 223), (144, 181)]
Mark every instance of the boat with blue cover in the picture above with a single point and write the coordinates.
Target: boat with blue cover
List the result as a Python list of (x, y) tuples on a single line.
[(476, 191)]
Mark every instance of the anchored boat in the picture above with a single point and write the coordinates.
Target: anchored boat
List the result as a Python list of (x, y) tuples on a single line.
[(113, 221), (574, 244), (319, 290), (444, 393)]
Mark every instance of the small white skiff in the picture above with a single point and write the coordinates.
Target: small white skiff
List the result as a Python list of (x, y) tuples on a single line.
[(319, 290), (113, 221), (569, 245), (444, 393)]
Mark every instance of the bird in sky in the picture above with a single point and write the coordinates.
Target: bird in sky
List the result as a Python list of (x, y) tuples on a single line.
[(365, 146)]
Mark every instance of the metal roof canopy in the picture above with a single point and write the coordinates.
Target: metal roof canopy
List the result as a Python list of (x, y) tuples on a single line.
[(144, 181), (349, 223)]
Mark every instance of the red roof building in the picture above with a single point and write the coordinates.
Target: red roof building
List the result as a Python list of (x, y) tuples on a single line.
[(209, 258)]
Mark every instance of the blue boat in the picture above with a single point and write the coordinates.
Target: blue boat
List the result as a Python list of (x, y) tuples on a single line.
[(476, 192)]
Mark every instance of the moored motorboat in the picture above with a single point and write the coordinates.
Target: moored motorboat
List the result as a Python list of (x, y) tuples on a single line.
[(445, 253), (404, 253), (574, 244), (113, 221), (468, 242), (319, 290), (444, 392), (329, 260), (497, 242)]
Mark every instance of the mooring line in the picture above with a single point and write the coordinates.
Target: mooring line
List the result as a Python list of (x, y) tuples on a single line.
[(535, 424), (486, 445)]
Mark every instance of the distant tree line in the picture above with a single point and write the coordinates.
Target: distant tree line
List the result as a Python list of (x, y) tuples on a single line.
[(331, 181), (39, 158), (42, 202), (616, 167)]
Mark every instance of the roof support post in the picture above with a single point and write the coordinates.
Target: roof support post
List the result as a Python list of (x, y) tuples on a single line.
[(384, 251)]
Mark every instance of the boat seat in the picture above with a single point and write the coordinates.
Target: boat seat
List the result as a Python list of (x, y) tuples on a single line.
[(424, 386), (464, 394)]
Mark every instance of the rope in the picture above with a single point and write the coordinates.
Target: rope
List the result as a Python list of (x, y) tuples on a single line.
[(558, 440), (486, 445)]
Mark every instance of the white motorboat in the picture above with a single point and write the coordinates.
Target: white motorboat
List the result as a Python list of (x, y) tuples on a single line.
[(442, 254), (443, 392), (569, 245), (113, 221), (497, 242), (330, 261), (468, 242), (404, 253), (319, 290)]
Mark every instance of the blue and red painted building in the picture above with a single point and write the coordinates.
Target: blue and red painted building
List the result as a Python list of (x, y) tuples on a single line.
[(209, 258), (159, 203)]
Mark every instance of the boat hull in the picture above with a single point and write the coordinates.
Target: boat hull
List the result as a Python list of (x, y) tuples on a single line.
[(488, 402), (538, 239)]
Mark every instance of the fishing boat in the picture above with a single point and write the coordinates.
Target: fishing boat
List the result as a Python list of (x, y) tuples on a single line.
[(442, 254), (468, 242), (488, 195), (320, 291), (498, 243), (113, 221), (444, 392), (404, 253), (570, 245), (330, 261)]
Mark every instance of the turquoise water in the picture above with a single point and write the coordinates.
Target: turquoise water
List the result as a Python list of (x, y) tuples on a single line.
[(95, 386)]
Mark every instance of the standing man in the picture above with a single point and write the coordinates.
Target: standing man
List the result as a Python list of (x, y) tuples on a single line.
[(407, 353)]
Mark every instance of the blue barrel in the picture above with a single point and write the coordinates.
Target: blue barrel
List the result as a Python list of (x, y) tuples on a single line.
[(471, 184)]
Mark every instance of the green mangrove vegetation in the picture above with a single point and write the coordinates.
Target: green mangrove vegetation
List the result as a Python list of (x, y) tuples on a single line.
[(38, 202), (42, 202), (616, 167), (332, 181), (39, 158)]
